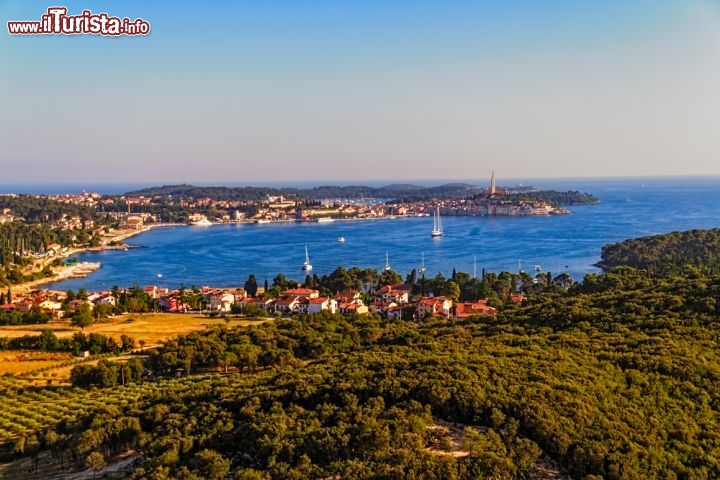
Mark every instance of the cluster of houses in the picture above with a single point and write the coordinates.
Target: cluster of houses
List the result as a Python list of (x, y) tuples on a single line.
[(391, 301), (54, 303)]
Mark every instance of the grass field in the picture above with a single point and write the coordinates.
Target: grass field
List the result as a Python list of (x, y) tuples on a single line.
[(18, 362), (151, 328), (34, 388)]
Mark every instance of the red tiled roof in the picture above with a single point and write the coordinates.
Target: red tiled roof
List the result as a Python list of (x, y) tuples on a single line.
[(299, 291), (318, 300)]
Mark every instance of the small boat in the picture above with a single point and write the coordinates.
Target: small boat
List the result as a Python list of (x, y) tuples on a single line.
[(307, 266), (341, 239), (325, 220), (262, 220), (422, 268), (202, 223), (437, 230), (387, 262)]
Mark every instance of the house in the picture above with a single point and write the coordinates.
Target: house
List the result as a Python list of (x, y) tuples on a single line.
[(24, 305), (434, 307), (395, 312), (350, 308), (106, 299), (349, 303), (287, 304), (517, 298), (469, 309), (319, 304), (172, 303), (347, 296), (55, 308), (267, 304), (222, 301), (7, 307), (398, 293), (73, 305), (132, 222), (381, 307), (305, 292)]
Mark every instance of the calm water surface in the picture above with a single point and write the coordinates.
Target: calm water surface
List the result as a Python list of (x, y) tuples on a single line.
[(224, 255)]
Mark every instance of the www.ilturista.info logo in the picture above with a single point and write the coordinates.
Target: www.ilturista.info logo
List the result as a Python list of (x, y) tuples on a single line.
[(58, 22)]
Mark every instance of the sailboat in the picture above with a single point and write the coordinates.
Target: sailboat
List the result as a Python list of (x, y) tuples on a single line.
[(422, 263), (437, 230), (387, 262), (307, 266)]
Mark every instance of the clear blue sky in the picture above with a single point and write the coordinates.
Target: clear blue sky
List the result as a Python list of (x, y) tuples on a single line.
[(347, 90)]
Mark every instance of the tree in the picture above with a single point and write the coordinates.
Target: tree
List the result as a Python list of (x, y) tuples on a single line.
[(389, 277), (451, 290), (211, 464), (95, 461), (102, 310), (82, 317), (412, 278), (251, 286)]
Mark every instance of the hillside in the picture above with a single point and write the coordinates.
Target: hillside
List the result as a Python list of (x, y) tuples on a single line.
[(616, 378), (316, 193), (670, 252)]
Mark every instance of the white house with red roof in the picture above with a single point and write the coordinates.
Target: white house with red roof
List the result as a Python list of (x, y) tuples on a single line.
[(434, 307), (380, 307), (221, 301), (301, 292), (287, 304), (398, 293), (319, 304)]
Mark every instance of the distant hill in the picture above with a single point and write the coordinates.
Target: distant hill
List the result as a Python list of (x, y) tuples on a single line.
[(667, 253), (316, 193)]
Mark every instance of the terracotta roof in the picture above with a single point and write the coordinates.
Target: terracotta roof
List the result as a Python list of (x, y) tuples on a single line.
[(318, 300), (299, 291)]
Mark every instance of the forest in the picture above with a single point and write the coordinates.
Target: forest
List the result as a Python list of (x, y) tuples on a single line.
[(555, 198), (38, 209), (667, 253), (613, 377), (315, 193), (391, 193), (616, 378)]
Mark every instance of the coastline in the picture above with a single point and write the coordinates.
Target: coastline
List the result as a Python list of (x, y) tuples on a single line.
[(82, 269)]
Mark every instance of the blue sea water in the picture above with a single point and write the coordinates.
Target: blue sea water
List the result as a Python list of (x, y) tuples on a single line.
[(224, 255)]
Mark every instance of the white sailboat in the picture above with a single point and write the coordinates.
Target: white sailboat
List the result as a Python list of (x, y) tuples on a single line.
[(307, 266), (387, 262), (422, 263), (437, 230)]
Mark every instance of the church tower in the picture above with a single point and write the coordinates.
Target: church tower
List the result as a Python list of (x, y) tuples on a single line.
[(492, 184)]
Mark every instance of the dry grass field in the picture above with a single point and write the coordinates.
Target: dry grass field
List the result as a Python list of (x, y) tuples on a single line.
[(150, 328), (16, 362)]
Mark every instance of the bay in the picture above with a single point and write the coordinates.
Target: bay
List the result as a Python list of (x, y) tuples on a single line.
[(224, 255)]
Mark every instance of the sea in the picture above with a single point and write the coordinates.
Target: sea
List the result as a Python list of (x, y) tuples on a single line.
[(225, 255)]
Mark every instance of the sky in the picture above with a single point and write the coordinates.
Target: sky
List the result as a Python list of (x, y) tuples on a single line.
[(349, 90)]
